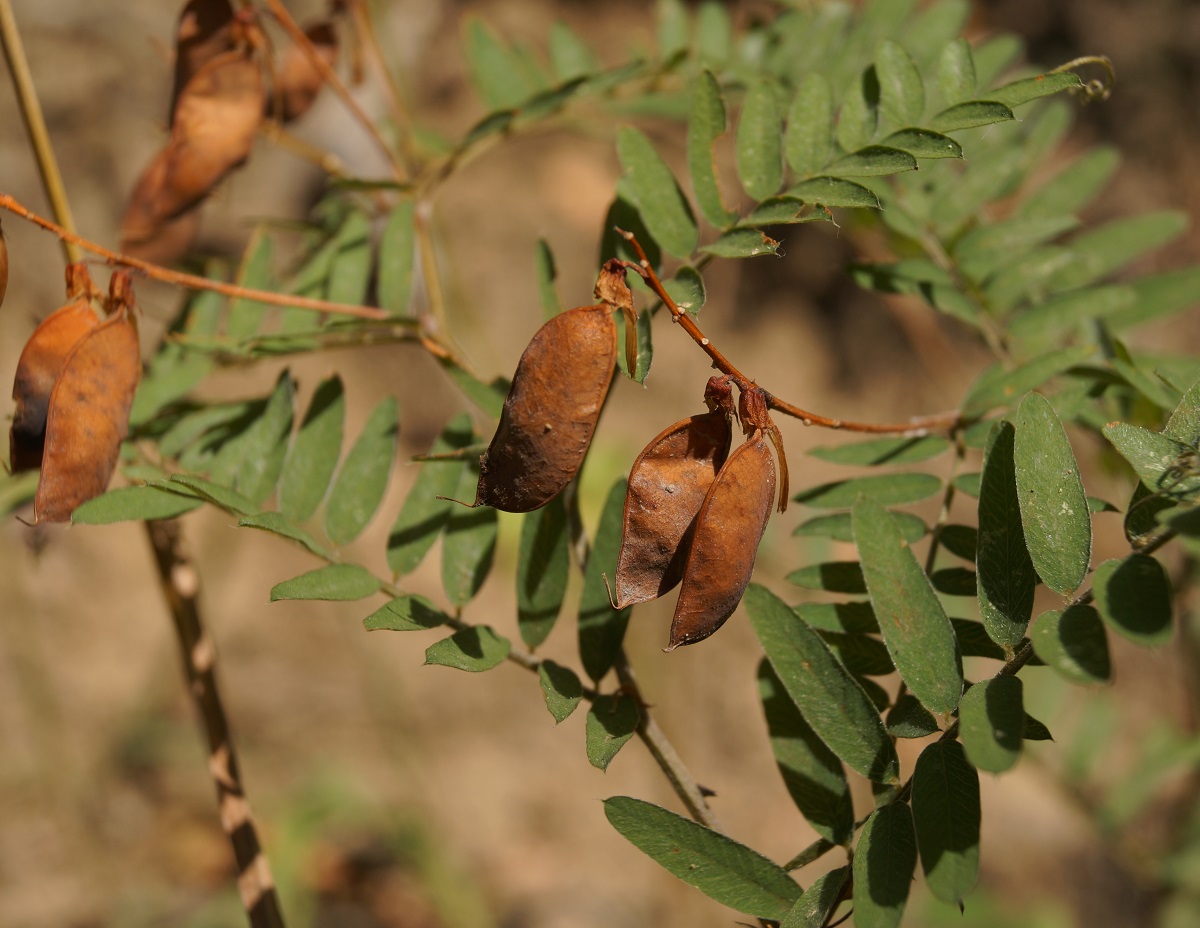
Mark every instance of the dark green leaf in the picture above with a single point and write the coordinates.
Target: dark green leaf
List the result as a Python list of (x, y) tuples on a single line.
[(547, 274), (883, 451), (602, 628), (1032, 88), (969, 115), (1035, 730), (659, 200), (1073, 643), (706, 123), (341, 582), (909, 719), (468, 545), (884, 862), (874, 160), (227, 499), (406, 614), (686, 289), (1054, 509), (960, 540), (838, 527), (954, 581), (138, 502), (759, 136), (397, 247), (314, 454), (812, 909), (886, 489), (543, 561), (611, 722), (831, 701), (1133, 596), (831, 576), (561, 689), (645, 347), (783, 210), (246, 316), (901, 90), (1004, 569), (742, 243), (279, 524), (262, 447), (852, 617), (362, 480), (719, 867), (923, 143), (1000, 387), (496, 73), (914, 625), (862, 655), (956, 72), (472, 649), (811, 772), (946, 812), (810, 126), (833, 191), (992, 720)]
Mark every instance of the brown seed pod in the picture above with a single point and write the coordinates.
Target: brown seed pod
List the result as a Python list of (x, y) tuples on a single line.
[(89, 413), (550, 411), (41, 362), (297, 81), (205, 30), (728, 529), (3, 265)]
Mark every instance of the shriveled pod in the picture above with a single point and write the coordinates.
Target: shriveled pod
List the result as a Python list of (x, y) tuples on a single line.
[(89, 412), (297, 80), (667, 486), (205, 30), (725, 543), (41, 362), (551, 410)]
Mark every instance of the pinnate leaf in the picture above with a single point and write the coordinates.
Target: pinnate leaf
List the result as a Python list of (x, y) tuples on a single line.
[(611, 722), (946, 812), (1072, 642), (137, 502), (342, 582), (313, 456), (472, 649), (992, 717), (659, 200), (561, 689), (759, 136), (884, 861), (362, 480), (543, 560)]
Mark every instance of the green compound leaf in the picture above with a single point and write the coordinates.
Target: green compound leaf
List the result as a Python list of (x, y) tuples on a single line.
[(946, 813), (833, 191), (901, 90), (1004, 569), (279, 524), (883, 451), (362, 480), (423, 515), (970, 115), (1133, 597), (263, 445), (812, 909), (811, 772), (956, 72), (924, 143), (758, 151), (339, 582), (829, 698), (1072, 642), (886, 489), (313, 457), (873, 161), (561, 689), (884, 862), (1054, 509), (1032, 88), (910, 615), (469, 543), (992, 716), (543, 561), (397, 248), (602, 628), (139, 502), (706, 124), (742, 243), (659, 200), (611, 722), (473, 649), (731, 873), (809, 136), (406, 614)]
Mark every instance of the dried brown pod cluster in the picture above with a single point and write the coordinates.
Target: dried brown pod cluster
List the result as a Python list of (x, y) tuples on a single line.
[(73, 390)]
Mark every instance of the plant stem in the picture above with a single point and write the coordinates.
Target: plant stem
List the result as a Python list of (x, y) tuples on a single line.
[(35, 125), (180, 587), (915, 427)]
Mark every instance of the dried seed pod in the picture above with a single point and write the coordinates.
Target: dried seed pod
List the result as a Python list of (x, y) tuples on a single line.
[(728, 529), (41, 362), (205, 30), (3, 265), (88, 412), (297, 81), (550, 411)]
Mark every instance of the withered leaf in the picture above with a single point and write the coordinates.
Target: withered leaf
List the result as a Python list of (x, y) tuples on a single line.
[(725, 543), (205, 30), (88, 417), (667, 486), (550, 411), (297, 80)]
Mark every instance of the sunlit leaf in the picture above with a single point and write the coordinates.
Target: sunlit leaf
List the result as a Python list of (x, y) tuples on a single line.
[(759, 137), (1133, 597), (660, 202), (611, 722), (956, 72), (1073, 643), (887, 489), (406, 614), (812, 909), (468, 544), (810, 126), (543, 560), (473, 649), (834, 191), (137, 502), (561, 689), (602, 628), (992, 720), (969, 115), (313, 456), (341, 582), (901, 90), (872, 161), (362, 480), (742, 243)]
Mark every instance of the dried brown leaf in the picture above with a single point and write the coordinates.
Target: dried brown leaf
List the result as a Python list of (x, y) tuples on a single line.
[(297, 80), (205, 30)]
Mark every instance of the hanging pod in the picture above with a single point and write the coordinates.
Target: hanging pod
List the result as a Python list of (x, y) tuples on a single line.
[(667, 486), (551, 410), (725, 542)]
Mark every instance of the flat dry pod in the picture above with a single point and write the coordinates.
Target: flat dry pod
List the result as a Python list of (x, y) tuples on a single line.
[(88, 417), (725, 543), (550, 411), (667, 486), (205, 30)]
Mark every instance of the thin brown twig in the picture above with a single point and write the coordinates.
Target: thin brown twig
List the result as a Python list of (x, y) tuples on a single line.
[(190, 281), (915, 427), (180, 587)]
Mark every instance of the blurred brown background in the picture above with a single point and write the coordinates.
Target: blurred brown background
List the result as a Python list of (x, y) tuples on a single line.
[(395, 795)]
